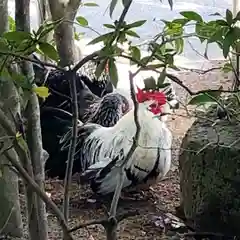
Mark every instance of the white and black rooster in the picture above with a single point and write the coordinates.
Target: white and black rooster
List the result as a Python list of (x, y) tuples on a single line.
[(102, 149)]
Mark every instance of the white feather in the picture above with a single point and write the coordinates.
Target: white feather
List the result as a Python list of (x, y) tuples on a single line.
[(153, 135)]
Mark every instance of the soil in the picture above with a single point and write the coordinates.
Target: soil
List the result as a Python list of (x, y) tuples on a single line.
[(155, 204)]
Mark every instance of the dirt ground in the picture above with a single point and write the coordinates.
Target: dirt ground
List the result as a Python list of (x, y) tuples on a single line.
[(165, 196)]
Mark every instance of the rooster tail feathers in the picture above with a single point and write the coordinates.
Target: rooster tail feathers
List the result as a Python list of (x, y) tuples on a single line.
[(58, 113), (91, 172), (107, 178), (83, 131), (55, 121)]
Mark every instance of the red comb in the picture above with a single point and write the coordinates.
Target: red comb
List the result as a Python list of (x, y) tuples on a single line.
[(142, 96)]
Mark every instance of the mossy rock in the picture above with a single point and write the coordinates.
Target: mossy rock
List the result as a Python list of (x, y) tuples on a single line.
[(209, 166)]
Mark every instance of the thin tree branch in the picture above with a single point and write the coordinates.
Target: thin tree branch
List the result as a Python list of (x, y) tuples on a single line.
[(104, 221), (176, 79), (199, 71), (41, 194), (72, 148), (23, 154), (31, 60), (112, 221), (85, 60)]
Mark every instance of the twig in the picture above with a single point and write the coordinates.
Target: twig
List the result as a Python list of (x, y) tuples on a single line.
[(23, 154), (200, 71), (202, 234), (176, 79), (32, 60), (72, 148), (40, 193), (112, 221), (104, 221), (85, 60), (195, 50)]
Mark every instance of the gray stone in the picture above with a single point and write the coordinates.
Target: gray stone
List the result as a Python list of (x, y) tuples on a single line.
[(209, 166)]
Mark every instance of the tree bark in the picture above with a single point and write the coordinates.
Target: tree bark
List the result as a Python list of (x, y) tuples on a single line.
[(45, 14), (10, 215), (64, 34), (37, 217)]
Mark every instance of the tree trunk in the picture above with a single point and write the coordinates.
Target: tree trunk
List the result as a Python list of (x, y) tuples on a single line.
[(10, 215), (64, 34), (37, 217), (44, 14)]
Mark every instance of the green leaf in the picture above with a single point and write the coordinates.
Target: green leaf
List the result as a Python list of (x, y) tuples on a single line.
[(5, 73), (149, 83), (227, 68), (101, 67), (125, 2), (215, 14), (229, 17), (90, 4), (228, 41), (112, 7), (136, 53), (200, 99), (132, 33), (22, 81), (42, 91), (146, 60), (221, 22), (191, 15), (17, 36), (101, 38), (161, 78), (47, 27), (216, 37), (174, 67), (109, 26), (3, 44), (113, 72), (181, 21), (170, 2), (237, 18), (135, 24), (179, 45), (12, 25), (49, 51), (82, 21)]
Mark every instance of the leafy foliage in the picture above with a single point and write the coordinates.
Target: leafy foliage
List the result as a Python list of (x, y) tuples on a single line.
[(162, 48), (19, 43)]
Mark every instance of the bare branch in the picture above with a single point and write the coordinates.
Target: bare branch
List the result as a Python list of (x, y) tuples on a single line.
[(30, 59), (104, 221), (199, 71), (176, 79), (72, 148), (23, 154), (41, 194), (112, 221), (85, 60)]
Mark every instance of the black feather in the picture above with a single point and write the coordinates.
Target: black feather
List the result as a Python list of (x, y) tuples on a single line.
[(54, 124), (102, 173)]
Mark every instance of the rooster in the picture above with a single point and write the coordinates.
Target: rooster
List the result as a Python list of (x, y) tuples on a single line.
[(101, 150), (56, 122)]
